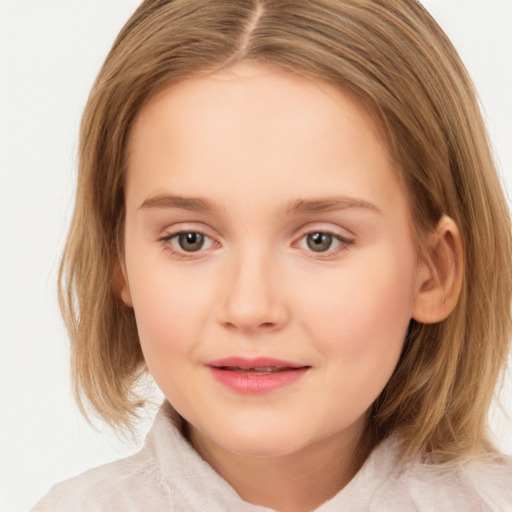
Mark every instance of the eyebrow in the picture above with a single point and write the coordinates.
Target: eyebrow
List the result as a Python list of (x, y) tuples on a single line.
[(330, 204), (199, 204), (196, 204)]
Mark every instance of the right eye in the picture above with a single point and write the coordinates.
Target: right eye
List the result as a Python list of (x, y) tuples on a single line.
[(188, 241)]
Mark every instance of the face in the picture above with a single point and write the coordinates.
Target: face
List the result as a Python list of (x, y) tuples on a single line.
[(269, 258)]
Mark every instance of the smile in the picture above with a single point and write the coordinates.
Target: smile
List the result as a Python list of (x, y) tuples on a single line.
[(255, 376), (255, 371)]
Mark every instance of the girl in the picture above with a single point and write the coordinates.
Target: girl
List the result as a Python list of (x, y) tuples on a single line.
[(288, 214)]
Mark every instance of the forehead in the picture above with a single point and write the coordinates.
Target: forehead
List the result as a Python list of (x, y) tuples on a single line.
[(254, 90), (262, 131)]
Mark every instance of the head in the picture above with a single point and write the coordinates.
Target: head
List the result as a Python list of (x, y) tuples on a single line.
[(395, 63)]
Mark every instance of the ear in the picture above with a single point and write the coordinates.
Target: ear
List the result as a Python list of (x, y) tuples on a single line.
[(440, 274), (121, 285)]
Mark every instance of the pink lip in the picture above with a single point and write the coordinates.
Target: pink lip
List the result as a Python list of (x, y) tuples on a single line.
[(255, 376)]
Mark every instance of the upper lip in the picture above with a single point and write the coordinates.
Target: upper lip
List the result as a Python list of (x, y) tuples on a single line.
[(251, 363)]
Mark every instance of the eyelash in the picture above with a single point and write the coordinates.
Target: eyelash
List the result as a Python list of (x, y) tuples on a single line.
[(181, 254), (184, 255), (331, 253)]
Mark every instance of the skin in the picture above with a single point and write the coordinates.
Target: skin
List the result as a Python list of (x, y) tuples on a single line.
[(251, 142)]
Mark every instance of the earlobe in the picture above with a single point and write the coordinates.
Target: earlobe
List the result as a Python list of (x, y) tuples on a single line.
[(121, 286), (440, 275)]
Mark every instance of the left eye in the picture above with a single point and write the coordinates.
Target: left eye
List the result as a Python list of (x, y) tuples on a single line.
[(191, 241), (320, 241)]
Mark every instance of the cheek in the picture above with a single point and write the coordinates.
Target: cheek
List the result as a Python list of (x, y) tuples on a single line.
[(168, 309), (359, 328), (361, 316), (167, 332)]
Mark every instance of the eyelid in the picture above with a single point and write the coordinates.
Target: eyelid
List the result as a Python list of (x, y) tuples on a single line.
[(345, 241), (174, 232)]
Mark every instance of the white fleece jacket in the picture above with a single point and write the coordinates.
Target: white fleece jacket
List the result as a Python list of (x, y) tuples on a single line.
[(168, 475)]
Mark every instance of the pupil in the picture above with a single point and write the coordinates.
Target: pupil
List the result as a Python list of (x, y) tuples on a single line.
[(191, 241), (319, 242)]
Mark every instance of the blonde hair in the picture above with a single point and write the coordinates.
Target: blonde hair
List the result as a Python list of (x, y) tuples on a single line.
[(394, 57)]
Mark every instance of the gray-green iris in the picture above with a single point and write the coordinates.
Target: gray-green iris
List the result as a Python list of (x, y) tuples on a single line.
[(319, 242)]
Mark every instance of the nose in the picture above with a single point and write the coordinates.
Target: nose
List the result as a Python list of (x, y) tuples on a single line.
[(253, 296)]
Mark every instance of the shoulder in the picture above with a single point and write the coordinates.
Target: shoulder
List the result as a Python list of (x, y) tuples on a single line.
[(122, 485), (477, 484), (167, 474)]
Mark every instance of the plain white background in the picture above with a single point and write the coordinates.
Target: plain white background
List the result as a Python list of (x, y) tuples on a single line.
[(50, 53)]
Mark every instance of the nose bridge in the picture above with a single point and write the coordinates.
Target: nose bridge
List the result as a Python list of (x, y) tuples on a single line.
[(253, 297)]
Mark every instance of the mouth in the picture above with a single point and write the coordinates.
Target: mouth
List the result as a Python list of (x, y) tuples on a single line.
[(255, 376), (264, 370)]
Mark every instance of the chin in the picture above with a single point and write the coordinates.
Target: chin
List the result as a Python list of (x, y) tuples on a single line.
[(254, 439), (270, 438)]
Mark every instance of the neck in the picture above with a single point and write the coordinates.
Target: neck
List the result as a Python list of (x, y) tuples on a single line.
[(296, 482)]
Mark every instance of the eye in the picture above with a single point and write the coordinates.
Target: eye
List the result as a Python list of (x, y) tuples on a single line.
[(321, 241), (189, 241)]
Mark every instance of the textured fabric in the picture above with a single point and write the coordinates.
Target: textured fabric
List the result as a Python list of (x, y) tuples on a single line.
[(168, 475)]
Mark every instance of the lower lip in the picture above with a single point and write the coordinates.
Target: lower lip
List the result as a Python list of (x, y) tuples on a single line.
[(256, 384)]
